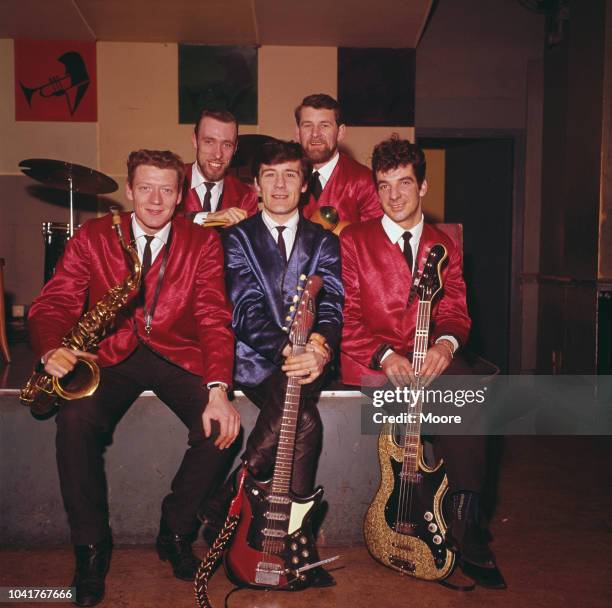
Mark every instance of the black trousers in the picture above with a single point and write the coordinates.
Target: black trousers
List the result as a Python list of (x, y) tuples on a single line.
[(85, 428), (260, 451)]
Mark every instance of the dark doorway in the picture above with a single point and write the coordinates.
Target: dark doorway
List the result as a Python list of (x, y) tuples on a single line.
[(479, 178)]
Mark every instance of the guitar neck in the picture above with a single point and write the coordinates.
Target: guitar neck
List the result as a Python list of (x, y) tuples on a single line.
[(413, 429), (283, 468)]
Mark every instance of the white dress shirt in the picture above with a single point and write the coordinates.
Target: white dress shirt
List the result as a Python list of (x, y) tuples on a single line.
[(290, 229), (395, 232), (197, 183), (327, 169), (161, 238)]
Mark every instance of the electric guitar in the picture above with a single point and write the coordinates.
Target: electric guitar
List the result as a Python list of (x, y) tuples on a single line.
[(404, 527), (274, 546)]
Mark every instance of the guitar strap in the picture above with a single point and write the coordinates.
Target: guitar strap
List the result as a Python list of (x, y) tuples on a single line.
[(215, 553)]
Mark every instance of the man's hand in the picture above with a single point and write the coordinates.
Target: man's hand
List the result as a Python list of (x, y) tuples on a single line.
[(309, 365), (230, 216), (437, 359), (60, 361), (398, 369), (220, 409)]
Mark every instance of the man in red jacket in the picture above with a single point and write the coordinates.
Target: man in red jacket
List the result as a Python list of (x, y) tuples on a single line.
[(337, 180), (379, 258), (209, 192), (172, 337)]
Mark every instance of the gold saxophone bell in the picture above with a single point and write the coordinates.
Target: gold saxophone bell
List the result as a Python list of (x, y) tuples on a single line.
[(81, 382)]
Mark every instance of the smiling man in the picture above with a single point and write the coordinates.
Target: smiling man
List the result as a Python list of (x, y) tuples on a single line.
[(337, 180), (172, 337), (265, 257), (209, 192), (379, 259)]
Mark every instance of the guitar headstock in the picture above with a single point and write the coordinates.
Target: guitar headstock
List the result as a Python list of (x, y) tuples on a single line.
[(303, 311), (430, 279)]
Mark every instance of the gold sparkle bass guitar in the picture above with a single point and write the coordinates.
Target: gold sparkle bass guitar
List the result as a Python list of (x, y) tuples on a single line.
[(404, 526)]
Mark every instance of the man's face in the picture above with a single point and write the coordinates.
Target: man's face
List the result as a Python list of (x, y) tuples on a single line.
[(280, 187), (215, 144), (319, 134), (155, 195), (400, 195)]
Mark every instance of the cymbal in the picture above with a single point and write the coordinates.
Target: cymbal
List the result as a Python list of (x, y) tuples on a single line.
[(57, 174)]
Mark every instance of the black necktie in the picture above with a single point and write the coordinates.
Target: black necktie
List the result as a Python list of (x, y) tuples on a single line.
[(281, 242), (147, 256), (314, 185), (206, 202), (408, 249)]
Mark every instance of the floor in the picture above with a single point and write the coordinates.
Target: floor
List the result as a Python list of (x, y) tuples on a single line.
[(552, 540)]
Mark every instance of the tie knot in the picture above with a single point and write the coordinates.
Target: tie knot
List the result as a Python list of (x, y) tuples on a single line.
[(280, 229), (407, 236), (149, 239), (209, 186)]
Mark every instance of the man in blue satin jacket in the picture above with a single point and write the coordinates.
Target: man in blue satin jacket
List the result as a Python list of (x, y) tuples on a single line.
[(265, 255)]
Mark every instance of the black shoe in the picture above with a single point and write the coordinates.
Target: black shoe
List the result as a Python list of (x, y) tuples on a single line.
[(92, 562), (322, 578), (466, 534), (489, 576), (176, 548)]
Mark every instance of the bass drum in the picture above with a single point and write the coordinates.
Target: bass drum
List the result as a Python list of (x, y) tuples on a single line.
[(55, 236)]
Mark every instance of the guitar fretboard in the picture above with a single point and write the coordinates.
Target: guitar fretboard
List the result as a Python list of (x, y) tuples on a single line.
[(413, 428), (283, 468)]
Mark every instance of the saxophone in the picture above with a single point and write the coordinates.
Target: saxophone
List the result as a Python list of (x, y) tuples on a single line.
[(42, 391)]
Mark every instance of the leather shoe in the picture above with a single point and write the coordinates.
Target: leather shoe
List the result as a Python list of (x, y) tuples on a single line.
[(489, 577), (92, 562), (176, 548), (321, 578), (467, 537)]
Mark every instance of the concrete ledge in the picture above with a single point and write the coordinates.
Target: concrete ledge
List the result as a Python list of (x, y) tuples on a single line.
[(148, 446)]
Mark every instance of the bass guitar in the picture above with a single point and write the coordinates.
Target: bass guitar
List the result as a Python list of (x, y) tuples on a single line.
[(404, 526)]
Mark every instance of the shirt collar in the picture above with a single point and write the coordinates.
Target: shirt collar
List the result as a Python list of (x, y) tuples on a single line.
[(162, 235), (395, 231), (327, 169), (291, 223), (197, 179)]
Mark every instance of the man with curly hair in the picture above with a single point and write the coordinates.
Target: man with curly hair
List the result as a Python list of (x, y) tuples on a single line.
[(379, 259)]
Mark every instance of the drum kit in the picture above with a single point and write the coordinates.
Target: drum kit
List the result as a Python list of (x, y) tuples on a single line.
[(76, 179)]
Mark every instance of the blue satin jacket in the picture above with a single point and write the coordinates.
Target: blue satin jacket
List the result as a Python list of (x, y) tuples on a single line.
[(261, 287)]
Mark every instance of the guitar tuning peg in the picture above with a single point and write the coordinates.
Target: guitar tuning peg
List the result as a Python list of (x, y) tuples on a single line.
[(300, 288), (285, 329), (302, 277), (296, 298), (288, 318), (292, 308)]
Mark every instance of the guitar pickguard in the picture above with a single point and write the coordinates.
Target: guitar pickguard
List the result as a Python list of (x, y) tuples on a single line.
[(267, 550)]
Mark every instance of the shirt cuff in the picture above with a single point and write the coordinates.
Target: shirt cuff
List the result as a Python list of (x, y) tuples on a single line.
[(388, 352), (452, 340), (200, 218)]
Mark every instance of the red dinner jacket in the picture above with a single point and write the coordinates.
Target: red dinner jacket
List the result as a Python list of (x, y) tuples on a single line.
[(377, 282), (235, 194), (192, 319), (351, 191)]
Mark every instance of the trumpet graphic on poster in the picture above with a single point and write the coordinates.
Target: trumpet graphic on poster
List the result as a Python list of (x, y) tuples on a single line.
[(72, 84)]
